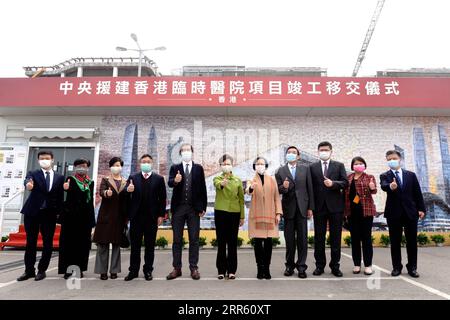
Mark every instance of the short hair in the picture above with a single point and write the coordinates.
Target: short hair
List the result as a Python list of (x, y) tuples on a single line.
[(45, 153), (146, 156), (358, 159), (114, 160), (293, 147), (325, 144), (186, 144), (258, 158), (225, 157), (389, 152), (79, 161)]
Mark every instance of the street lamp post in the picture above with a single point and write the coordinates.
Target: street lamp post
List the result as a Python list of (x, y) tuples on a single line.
[(141, 51)]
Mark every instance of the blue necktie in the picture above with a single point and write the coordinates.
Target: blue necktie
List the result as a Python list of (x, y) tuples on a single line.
[(293, 172), (399, 181)]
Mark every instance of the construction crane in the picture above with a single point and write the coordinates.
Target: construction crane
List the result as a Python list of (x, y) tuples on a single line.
[(373, 23)]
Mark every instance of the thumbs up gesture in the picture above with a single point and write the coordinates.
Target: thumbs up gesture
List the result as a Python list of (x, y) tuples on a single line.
[(66, 185), (286, 183), (178, 177), (393, 184), (224, 182), (130, 187), (109, 192), (372, 184), (30, 184), (328, 183), (253, 184)]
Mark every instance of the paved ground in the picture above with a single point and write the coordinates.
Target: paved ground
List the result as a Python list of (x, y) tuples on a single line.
[(434, 282)]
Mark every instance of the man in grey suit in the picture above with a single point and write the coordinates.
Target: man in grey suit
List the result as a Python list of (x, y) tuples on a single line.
[(295, 185)]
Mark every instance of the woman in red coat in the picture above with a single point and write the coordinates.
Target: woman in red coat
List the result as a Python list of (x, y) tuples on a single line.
[(359, 212)]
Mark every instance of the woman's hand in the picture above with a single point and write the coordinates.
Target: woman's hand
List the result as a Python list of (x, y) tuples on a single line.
[(278, 218), (241, 222)]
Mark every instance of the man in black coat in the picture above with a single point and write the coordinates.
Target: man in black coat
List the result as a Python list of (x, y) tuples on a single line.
[(146, 211), (40, 212), (404, 207), (329, 183), (295, 185), (189, 201)]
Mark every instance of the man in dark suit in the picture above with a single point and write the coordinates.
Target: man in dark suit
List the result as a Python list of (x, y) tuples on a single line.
[(189, 201), (40, 212), (404, 207), (146, 211), (295, 185), (329, 184)]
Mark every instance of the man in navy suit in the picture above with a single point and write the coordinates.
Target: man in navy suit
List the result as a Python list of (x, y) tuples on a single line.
[(404, 207), (40, 213), (189, 201), (146, 211)]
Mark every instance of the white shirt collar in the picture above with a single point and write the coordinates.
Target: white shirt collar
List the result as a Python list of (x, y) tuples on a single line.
[(44, 171), (400, 172), (144, 173), (185, 163)]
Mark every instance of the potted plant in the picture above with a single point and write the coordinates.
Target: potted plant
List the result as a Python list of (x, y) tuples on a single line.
[(275, 242), (161, 242), (422, 239), (438, 239), (348, 240), (240, 241), (385, 241), (311, 241), (213, 242), (202, 242)]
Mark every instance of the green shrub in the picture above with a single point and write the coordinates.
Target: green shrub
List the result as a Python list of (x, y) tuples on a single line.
[(183, 242), (240, 241), (161, 242), (422, 239), (213, 242), (251, 241), (275, 242), (403, 241), (348, 241), (385, 240), (311, 241), (5, 238), (328, 240), (437, 239), (202, 241)]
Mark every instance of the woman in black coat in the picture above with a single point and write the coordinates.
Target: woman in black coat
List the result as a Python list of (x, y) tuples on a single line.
[(111, 220), (77, 221)]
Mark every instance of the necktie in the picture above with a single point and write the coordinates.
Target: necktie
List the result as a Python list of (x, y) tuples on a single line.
[(47, 180), (187, 169), (399, 181), (145, 176), (325, 169), (293, 172)]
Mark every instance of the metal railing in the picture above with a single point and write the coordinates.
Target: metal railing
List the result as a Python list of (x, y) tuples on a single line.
[(3, 206)]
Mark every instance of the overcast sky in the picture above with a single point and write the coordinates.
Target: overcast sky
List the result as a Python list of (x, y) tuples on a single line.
[(254, 33)]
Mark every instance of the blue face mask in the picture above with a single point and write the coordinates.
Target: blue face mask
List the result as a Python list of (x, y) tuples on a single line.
[(393, 164), (291, 157), (146, 167)]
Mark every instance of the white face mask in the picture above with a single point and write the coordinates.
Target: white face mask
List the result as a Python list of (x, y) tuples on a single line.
[(45, 164), (227, 168), (260, 168), (324, 155), (186, 156), (116, 170)]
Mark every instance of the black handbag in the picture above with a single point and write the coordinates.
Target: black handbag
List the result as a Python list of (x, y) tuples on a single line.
[(125, 240)]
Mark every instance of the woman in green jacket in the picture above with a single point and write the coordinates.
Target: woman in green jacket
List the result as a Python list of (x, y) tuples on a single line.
[(229, 215)]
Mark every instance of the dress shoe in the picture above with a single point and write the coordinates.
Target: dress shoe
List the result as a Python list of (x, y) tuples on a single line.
[(148, 276), (368, 271), (195, 275), (267, 274), (288, 272), (413, 273), (231, 276), (356, 269), (260, 273), (113, 276), (174, 274), (396, 272), (337, 273), (26, 276), (318, 272), (103, 276), (81, 275), (131, 276), (40, 276), (302, 275), (220, 277)]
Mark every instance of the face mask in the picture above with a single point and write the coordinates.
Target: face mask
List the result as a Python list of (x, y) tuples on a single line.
[(81, 170), (324, 155), (186, 156), (291, 157), (227, 168), (146, 167), (359, 167), (45, 164), (393, 164), (116, 170), (260, 169)]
